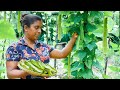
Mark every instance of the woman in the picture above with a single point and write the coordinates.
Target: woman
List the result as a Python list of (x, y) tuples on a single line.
[(29, 47)]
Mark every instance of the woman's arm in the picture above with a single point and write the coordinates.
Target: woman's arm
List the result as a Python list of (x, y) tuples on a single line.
[(66, 50), (13, 72)]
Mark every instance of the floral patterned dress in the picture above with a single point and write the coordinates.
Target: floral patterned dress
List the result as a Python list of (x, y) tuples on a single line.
[(21, 50)]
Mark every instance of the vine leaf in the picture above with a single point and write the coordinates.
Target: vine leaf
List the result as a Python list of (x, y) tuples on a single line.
[(91, 46)]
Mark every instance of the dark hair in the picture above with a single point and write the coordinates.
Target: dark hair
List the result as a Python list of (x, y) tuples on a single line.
[(28, 19)]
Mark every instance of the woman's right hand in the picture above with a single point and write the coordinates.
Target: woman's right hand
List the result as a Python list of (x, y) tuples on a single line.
[(24, 74)]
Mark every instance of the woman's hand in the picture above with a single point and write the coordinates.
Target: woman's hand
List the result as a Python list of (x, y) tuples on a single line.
[(75, 35), (24, 74)]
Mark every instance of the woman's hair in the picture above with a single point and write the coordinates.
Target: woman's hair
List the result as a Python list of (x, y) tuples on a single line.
[(28, 19)]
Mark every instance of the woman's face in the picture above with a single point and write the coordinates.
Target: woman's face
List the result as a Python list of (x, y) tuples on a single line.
[(34, 30)]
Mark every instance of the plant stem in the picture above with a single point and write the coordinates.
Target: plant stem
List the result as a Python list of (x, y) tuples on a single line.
[(18, 25), (119, 29), (106, 61), (69, 68), (4, 15), (46, 27)]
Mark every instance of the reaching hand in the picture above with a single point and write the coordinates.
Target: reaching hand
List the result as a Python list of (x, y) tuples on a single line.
[(75, 35)]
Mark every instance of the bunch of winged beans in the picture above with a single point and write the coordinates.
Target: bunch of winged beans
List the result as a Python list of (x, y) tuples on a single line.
[(37, 68)]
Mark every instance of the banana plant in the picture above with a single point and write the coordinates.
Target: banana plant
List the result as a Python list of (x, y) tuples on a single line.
[(6, 33)]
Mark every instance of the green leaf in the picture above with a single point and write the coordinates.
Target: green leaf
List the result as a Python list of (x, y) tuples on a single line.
[(65, 61), (110, 24), (81, 54), (88, 63), (99, 31), (98, 21), (74, 73), (1, 51), (97, 65), (95, 16), (108, 13), (1, 44), (114, 46), (76, 66), (65, 12), (77, 18), (115, 68), (71, 17), (65, 66), (105, 76), (74, 28), (6, 30), (100, 45), (87, 39), (87, 74), (91, 46), (91, 27), (2, 69), (65, 38)]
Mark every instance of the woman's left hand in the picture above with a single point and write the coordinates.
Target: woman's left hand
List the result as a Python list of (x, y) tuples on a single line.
[(75, 35)]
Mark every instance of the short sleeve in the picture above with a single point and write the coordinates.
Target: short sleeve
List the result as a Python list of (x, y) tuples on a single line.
[(50, 49), (12, 54)]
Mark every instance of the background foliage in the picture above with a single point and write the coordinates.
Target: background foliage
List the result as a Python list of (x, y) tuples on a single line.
[(96, 52)]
